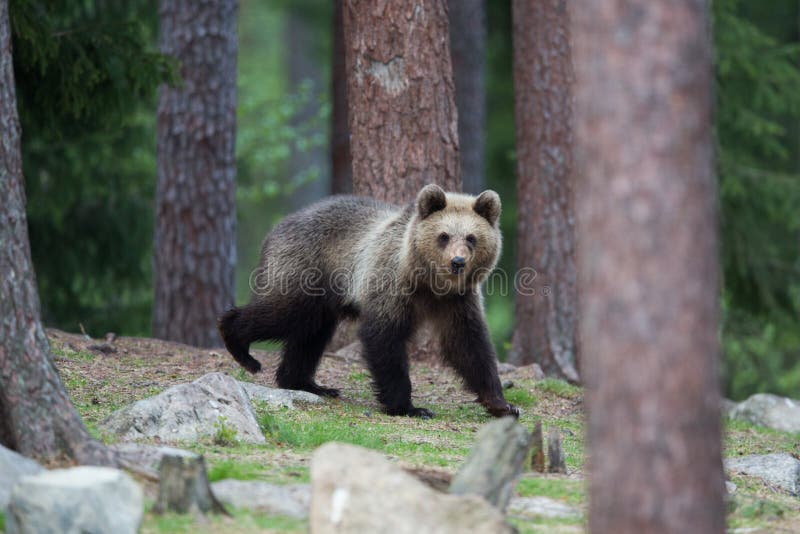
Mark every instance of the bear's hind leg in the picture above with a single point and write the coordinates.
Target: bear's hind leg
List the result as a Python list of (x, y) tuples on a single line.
[(239, 327), (302, 353)]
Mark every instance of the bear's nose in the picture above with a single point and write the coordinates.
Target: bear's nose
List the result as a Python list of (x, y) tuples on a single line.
[(458, 263)]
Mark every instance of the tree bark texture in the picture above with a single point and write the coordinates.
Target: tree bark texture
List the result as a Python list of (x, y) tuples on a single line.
[(341, 160), (304, 67), (195, 230), (402, 112), (648, 264), (546, 330), (37, 418), (468, 54)]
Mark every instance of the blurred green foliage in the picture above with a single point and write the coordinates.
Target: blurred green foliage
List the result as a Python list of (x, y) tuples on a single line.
[(87, 72), (757, 66)]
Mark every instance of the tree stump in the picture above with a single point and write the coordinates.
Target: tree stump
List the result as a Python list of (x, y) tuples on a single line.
[(494, 463), (183, 486), (537, 449), (555, 454)]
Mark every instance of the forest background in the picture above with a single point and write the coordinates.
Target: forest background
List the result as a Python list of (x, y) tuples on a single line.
[(87, 75)]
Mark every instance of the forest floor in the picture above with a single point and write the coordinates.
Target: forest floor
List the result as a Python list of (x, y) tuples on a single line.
[(101, 383)]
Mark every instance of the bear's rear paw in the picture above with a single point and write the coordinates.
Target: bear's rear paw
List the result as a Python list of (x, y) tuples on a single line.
[(320, 390), (502, 409), (251, 365), (422, 413)]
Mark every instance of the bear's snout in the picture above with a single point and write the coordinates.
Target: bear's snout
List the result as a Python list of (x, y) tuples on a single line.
[(457, 264)]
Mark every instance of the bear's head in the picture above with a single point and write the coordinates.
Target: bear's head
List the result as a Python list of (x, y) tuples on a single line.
[(455, 238)]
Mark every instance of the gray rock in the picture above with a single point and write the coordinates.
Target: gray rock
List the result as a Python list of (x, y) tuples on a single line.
[(13, 466), (279, 398), (505, 367), (76, 500), (146, 456), (726, 406), (188, 412), (771, 411), (730, 487), (537, 507), (355, 490), (292, 500), (494, 463), (779, 469)]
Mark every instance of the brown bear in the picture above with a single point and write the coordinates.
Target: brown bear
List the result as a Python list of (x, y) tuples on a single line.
[(393, 268)]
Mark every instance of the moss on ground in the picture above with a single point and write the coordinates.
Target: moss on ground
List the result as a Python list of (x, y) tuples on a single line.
[(100, 384)]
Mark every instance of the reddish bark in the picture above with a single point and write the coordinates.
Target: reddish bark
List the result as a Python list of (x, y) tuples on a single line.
[(468, 53), (546, 328), (341, 161), (195, 234), (37, 418), (647, 252), (403, 121)]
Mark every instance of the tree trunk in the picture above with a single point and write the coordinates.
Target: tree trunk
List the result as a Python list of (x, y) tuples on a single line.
[(648, 265), (403, 121), (341, 162), (546, 329), (195, 231), (308, 162), (37, 418), (468, 52)]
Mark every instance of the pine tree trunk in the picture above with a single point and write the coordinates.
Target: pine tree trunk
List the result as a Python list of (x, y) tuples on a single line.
[(403, 121), (341, 162), (546, 330), (468, 50), (195, 234), (648, 264), (37, 418), (309, 163)]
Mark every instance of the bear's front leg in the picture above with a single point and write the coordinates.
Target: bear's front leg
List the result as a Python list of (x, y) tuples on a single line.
[(466, 347), (384, 343)]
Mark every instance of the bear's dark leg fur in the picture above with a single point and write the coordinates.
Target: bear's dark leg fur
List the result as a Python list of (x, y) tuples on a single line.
[(466, 347), (239, 327), (302, 353), (384, 344)]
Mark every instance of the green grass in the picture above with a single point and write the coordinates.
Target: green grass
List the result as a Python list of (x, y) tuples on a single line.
[(559, 388), (520, 397), (359, 376), (570, 491), (742, 438), (235, 470), (2, 522), (66, 353), (241, 521), (225, 434)]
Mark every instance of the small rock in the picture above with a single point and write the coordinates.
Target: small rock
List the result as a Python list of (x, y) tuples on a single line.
[(494, 463), (730, 487), (146, 456), (13, 466), (726, 406), (75, 501), (105, 348), (292, 500), (538, 507), (771, 411), (508, 384), (188, 412), (505, 367), (279, 398), (348, 353), (357, 490), (780, 469)]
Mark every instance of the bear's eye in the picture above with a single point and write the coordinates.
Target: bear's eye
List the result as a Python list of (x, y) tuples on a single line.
[(444, 239), (471, 239)]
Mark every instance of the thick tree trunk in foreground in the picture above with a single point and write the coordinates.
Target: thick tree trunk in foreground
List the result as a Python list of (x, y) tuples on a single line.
[(195, 233), (648, 265), (468, 52), (403, 122), (37, 418), (341, 162), (546, 330)]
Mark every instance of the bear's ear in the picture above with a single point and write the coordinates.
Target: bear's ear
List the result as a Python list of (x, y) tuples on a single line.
[(431, 199), (487, 205)]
